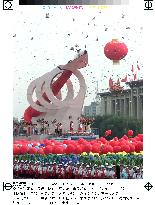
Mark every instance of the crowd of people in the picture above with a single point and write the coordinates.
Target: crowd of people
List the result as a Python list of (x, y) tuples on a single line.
[(53, 170), (44, 127)]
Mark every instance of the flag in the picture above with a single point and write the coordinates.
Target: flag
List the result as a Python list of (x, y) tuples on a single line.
[(110, 82), (138, 67), (132, 69), (135, 76), (124, 80)]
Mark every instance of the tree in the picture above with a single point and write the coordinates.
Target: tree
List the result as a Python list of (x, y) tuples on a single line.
[(118, 125)]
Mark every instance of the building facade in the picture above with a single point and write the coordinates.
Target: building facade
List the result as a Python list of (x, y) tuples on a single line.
[(127, 103), (90, 110)]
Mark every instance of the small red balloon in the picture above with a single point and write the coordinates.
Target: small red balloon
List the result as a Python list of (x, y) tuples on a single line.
[(130, 132)]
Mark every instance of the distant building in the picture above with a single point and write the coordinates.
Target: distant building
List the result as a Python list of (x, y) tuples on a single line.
[(90, 110), (127, 103)]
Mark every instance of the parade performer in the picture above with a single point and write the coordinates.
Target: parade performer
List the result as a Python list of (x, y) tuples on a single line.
[(71, 126)]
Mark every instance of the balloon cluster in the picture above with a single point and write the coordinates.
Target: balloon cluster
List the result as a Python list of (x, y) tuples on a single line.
[(101, 146)]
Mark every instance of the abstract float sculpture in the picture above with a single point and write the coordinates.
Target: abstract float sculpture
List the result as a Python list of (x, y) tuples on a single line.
[(49, 104)]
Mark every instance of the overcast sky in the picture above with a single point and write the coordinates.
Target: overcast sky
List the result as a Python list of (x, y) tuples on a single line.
[(41, 44)]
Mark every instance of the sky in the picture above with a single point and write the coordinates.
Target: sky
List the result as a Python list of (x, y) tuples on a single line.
[(41, 44)]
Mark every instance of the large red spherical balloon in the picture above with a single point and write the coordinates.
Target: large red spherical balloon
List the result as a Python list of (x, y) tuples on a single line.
[(48, 149), (117, 149), (16, 150), (24, 149), (115, 50), (32, 150)]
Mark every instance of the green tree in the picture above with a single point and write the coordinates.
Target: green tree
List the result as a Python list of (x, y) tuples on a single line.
[(118, 125)]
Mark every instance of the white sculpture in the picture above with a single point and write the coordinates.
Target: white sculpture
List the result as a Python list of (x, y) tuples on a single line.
[(65, 111)]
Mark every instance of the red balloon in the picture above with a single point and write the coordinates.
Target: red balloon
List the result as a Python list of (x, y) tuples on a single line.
[(140, 136), (87, 147), (103, 140), (16, 150), (132, 147), (139, 147), (106, 149), (40, 151), (48, 142), (108, 132), (24, 149), (58, 149), (78, 150), (113, 143), (116, 138), (125, 137), (125, 148), (130, 132), (115, 50), (32, 150), (96, 149), (48, 150), (117, 149), (70, 149)]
